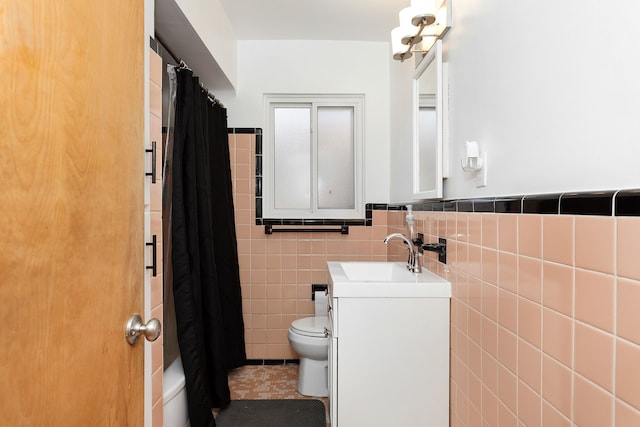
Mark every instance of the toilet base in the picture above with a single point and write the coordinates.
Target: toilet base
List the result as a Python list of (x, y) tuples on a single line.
[(313, 378)]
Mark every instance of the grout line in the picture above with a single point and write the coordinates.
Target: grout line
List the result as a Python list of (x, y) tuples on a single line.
[(615, 314)]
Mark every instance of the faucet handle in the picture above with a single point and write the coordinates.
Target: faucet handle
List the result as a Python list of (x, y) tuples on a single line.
[(440, 248)]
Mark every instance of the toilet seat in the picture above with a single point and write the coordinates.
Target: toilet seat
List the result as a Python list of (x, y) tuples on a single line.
[(310, 326)]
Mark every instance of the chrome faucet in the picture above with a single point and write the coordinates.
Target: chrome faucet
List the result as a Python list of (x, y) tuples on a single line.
[(413, 262)]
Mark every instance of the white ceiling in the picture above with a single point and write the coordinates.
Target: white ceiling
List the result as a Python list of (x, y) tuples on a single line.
[(363, 20)]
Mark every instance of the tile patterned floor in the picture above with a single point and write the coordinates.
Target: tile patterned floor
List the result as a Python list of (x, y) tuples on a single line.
[(268, 382)]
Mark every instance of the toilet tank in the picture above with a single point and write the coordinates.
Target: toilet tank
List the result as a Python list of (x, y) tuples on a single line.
[(174, 396)]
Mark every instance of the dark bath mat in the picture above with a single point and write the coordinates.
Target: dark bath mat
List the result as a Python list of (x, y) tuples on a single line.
[(273, 413)]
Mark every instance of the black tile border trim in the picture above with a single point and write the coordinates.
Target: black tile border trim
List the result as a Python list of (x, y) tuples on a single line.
[(596, 203), (627, 203), (600, 203), (272, 362), (541, 204), (252, 131)]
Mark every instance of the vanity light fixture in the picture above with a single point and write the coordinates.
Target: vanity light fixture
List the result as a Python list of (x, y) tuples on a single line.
[(421, 24)]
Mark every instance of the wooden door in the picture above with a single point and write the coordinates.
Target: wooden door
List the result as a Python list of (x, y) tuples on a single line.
[(71, 212)]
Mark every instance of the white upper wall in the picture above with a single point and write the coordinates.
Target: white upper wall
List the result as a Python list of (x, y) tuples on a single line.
[(199, 32), (319, 67), (401, 161), (550, 90), (210, 21)]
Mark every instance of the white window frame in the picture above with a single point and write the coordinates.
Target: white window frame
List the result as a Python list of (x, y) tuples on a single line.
[(268, 162)]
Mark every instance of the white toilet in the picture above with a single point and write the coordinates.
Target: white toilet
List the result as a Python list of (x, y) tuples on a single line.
[(174, 393), (308, 339)]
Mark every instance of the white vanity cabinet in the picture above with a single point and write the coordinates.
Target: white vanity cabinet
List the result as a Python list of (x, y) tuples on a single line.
[(388, 355)]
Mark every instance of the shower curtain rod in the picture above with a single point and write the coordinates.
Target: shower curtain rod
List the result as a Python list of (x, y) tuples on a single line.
[(211, 96), (183, 66)]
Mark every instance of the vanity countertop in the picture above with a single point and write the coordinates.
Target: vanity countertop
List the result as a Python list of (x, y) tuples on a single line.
[(384, 280)]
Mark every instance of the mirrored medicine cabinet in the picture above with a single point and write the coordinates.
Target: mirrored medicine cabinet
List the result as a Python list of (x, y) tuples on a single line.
[(429, 125)]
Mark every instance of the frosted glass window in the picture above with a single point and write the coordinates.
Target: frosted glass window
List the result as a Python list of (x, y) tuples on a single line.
[(292, 158), (427, 129), (335, 158), (313, 157)]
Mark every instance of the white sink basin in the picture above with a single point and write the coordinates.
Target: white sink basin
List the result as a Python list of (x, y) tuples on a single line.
[(377, 272), (384, 279)]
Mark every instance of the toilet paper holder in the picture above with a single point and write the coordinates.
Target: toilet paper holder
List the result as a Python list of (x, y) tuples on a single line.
[(315, 287)]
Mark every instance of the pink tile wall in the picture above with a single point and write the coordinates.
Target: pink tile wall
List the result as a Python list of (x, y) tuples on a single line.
[(277, 270), (155, 205), (544, 317), (544, 314)]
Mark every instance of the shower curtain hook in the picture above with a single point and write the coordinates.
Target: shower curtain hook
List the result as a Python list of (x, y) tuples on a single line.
[(183, 65)]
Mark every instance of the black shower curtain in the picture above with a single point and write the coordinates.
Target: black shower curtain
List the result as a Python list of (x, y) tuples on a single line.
[(206, 277)]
